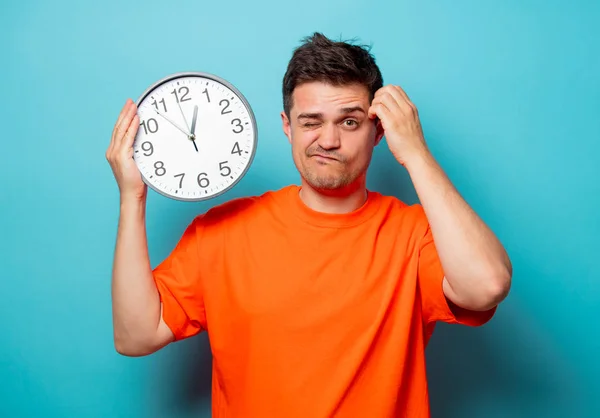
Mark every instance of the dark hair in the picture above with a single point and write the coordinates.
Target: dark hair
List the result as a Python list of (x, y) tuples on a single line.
[(336, 62)]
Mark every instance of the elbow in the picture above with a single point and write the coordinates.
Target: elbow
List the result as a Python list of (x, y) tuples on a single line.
[(496, 290), (132, 348), (500, 289), (486, 291)]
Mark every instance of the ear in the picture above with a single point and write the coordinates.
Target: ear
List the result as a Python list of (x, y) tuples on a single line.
[(287, 129), (379, 131)]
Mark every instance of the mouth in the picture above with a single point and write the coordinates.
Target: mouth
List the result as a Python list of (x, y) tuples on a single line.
[(326, 157)]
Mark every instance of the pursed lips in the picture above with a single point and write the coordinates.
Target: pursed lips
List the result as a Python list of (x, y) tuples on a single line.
[(324, 156)]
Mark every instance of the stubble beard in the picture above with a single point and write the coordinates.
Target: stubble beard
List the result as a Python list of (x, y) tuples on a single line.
[(338, 179)]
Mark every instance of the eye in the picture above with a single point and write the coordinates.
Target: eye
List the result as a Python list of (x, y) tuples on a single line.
[(350, 122)]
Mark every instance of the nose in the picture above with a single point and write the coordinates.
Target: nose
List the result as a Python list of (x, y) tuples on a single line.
[(329, 137)]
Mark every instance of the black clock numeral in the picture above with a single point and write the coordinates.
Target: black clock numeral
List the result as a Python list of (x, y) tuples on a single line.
[(159, 168), (207, 96), (149, 148), (150, 126), (236, 149), (203, 181), (226, 106), (181, 179), (186, 92), (238, 125), (163, 103), (222, 167)]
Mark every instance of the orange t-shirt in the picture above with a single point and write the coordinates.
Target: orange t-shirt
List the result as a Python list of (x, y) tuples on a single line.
[(310, 314)]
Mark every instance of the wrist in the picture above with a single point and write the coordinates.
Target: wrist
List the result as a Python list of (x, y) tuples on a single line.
[(418, 160), (133, 200)]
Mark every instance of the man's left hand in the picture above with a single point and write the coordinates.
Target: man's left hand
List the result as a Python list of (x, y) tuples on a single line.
[(400, 121)]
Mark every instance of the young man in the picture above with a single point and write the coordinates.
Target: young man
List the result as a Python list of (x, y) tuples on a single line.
[(319, 298)]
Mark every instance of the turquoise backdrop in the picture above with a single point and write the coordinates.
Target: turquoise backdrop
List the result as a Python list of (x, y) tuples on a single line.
[(509, 97)]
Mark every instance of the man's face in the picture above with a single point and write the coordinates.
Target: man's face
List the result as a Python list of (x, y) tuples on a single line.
[(331, 135)]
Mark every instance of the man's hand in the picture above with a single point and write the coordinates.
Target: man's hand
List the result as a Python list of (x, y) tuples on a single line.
[(477, 269), (120, 154), (400, 121)]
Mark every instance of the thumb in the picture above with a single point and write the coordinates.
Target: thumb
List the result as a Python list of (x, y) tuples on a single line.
[(372, 113)]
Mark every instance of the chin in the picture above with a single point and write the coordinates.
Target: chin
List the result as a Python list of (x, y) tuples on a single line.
[(326, 178), (327, 182)]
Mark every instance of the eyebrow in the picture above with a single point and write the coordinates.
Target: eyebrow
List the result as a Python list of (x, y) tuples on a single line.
[(318, 115), (352, 109)]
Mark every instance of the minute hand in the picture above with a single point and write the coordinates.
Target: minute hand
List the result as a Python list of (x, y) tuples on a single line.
[(174, 124)]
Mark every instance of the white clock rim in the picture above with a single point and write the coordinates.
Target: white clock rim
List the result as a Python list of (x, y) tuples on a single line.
[(174, 76)]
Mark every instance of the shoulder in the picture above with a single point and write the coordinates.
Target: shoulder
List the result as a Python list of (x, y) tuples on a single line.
[(240, 209), (399, 207), (410, 216)]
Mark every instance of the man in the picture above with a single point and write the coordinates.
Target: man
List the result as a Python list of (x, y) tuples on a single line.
[(319, 299)]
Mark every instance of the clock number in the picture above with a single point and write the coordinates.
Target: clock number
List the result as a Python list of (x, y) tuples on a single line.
[(224, 167), (238, 125), (181, 179), (226, 106), (163, 103), (159, 168), (236, 149), (207, 96), (182, 99), (150, 148), (203, 181), (150, 126)]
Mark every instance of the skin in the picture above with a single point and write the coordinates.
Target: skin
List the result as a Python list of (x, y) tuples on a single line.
[(478, 269), (332, 141), (138, 327), (332, 131)]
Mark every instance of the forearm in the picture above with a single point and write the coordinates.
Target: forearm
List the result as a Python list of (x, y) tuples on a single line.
[(476, 265), (136, 303)]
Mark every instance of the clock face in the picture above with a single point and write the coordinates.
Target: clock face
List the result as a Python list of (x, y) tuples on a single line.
[(197, 136)]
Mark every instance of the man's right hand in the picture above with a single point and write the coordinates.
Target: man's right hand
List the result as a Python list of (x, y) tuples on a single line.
[(120, 154), (137, 319)]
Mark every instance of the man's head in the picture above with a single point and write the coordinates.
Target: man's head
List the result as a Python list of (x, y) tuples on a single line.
[(327, 91)]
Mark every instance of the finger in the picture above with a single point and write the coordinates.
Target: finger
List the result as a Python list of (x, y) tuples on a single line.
[(126, 107), (401, 100), (122, 114), (380, 110), (399, 91), (400, 96), (124, 124), (372, 112), (373, 109), (131, 132), (117, 131), (392, 104)]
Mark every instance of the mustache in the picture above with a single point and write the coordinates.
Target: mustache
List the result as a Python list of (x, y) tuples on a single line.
[(318, 150)]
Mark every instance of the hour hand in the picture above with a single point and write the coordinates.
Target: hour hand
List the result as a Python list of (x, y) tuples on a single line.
[(193, 128)]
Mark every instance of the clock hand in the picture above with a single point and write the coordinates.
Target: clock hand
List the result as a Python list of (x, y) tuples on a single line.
[(193, 129), (187, 125), (173, 123)]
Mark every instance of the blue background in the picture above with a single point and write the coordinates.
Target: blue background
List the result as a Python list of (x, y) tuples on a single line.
[(509, 97)]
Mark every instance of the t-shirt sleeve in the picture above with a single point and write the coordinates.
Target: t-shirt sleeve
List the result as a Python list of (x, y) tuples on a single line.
[(178, 282), (435, 305)]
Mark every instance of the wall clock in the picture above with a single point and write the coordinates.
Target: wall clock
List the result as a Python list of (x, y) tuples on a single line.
[(197, 136)]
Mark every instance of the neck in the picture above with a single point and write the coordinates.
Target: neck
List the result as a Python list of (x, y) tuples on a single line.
[(343, 200)]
